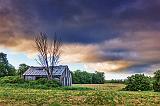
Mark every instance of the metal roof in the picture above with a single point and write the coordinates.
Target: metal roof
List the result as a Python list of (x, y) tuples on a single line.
[(58, 70)]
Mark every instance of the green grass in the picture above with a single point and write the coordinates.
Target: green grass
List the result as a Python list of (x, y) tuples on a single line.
[(84, 95)]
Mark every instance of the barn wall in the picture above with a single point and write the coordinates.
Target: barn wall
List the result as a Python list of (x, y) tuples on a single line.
[(66, 78)]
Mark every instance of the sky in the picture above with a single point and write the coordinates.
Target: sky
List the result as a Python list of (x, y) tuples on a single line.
[(118, 37)]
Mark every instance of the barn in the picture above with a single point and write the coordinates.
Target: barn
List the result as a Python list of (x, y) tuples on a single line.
[(61, 73)]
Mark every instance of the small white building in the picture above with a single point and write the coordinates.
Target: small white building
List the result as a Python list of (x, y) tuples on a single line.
[(61, 73)]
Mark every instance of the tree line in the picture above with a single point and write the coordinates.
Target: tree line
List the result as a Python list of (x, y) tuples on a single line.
[(6, 69), (133, 83), (83, 77), (120, 81)]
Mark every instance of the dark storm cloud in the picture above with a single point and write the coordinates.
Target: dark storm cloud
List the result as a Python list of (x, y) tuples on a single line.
[(80, 21), (142, 10), (85, 21), (108, 30)]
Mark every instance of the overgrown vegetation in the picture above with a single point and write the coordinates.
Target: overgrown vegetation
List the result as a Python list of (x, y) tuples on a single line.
[(14, 96), (156, 83), (16, 81), (83, 77), (138, 82), (11, 80), (89, 89)]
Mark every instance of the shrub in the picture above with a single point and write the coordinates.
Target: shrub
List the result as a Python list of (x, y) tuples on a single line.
[(44, 83), (138, 82), (19, 82), (42, 80), (52, 83), (156, 83), (11, 79)]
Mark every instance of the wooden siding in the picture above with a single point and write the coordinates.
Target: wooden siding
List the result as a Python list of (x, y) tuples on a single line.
[(66, 78)]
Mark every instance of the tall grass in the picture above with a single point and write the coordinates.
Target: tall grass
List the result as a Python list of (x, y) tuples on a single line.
[(24, 96)]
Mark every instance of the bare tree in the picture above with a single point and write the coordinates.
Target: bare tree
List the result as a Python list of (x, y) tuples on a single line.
[(48, 52)]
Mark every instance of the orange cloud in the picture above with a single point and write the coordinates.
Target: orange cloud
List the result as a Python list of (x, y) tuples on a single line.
[(145, 47), (109, 66)]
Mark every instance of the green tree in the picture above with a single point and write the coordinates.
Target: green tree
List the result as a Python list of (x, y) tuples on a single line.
[(11, 70), (156, 84), (3, 69), (83, 77), (138, 82), (75, 77), (3, 59), (98, 78), (6, 69), (22, 68)]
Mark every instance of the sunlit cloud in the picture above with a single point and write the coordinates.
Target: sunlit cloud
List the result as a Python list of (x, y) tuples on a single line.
[(109, 66)]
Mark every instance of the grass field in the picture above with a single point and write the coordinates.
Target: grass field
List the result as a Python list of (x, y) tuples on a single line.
[(101, 94)]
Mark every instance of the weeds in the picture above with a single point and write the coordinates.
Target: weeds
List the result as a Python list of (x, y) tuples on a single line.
[(67, 96)]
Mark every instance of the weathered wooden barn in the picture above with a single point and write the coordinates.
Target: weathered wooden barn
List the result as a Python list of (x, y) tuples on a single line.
[(61, 73)]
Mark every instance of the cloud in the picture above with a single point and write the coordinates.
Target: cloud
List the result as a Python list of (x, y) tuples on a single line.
[(119, 35), (79, 53), (109, 66), (18, 44)]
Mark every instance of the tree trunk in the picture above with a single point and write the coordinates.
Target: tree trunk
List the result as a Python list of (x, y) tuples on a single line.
[(49, 75)]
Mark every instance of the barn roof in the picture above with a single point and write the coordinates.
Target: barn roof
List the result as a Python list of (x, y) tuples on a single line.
[(58, 70)]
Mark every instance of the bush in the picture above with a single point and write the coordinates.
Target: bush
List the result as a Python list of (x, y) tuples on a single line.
[(156, 83), (11, 79), (19, 82), (52, 83), (44, 82), (138, 82)]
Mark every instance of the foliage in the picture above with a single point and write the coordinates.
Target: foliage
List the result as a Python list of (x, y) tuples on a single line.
[(17, 81), (42, 83), (156, 83), (83, 77), (40, 97), (138, 82), (98, 78), (52, 83), (116, 81), (3, 70), (46, 82), (3, 59), (22, 68), (6, 69), (11, 79)]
